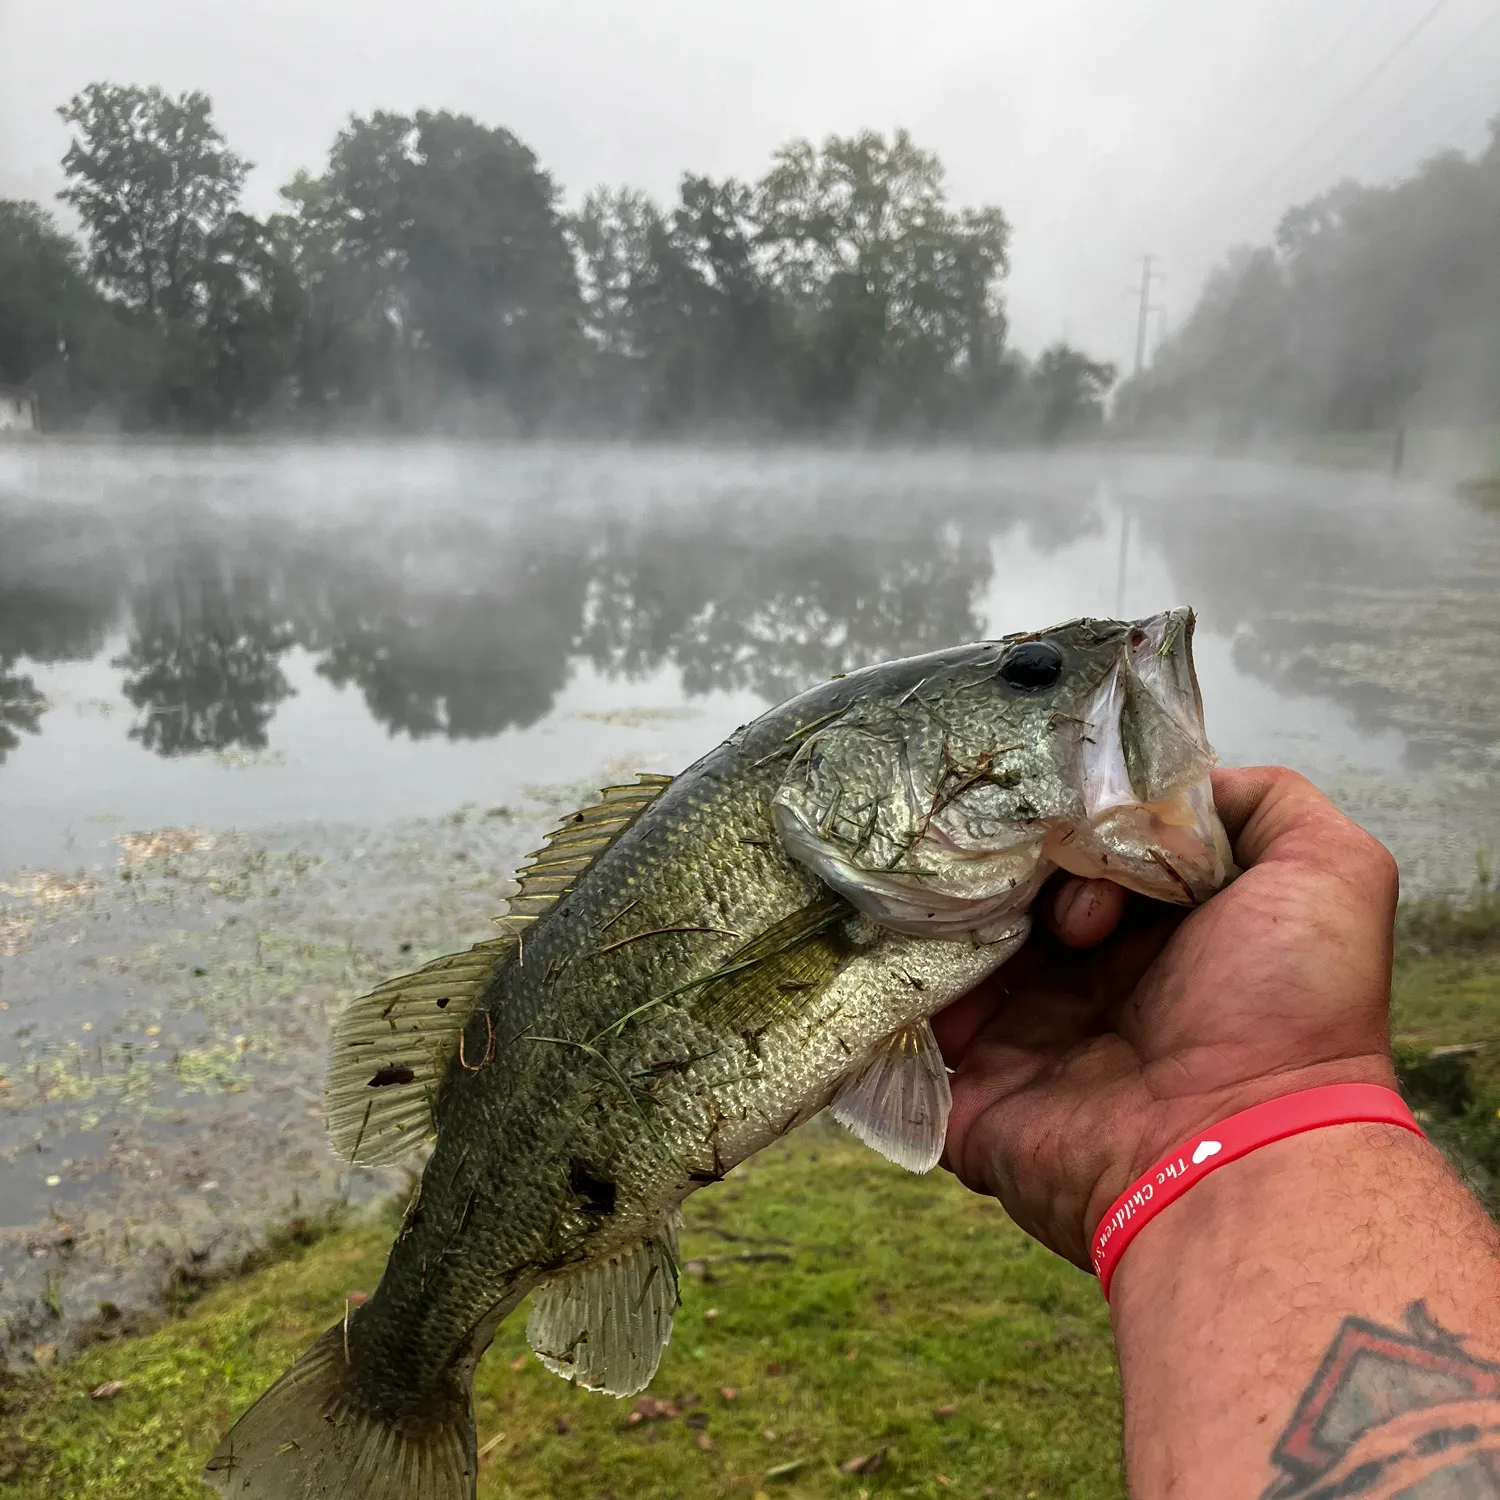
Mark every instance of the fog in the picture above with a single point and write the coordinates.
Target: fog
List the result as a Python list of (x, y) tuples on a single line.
[(1103, 131)]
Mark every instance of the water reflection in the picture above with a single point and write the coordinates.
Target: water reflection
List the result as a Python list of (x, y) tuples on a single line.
[(465, 620)]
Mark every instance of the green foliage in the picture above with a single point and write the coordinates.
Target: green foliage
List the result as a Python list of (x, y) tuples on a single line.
[(1070, 390), (427, 277), (154, 183), (833, 1307), (1375, 307)]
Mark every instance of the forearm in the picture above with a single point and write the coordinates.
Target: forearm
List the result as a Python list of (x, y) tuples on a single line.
[(1325, 1311)]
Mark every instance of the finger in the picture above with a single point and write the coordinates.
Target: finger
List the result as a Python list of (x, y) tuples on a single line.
[(1273, 813), (1084, 912), (956, 1025)]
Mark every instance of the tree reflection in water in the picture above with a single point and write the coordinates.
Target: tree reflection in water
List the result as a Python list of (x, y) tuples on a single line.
[(468, 627)]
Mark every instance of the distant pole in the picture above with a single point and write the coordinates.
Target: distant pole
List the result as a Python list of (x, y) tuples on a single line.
[(1144, 311)]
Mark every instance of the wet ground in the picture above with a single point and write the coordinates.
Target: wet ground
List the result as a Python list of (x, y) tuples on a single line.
[(275, 723)]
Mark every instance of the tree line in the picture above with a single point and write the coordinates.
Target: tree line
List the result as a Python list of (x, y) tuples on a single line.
[(1375, 307), (431, 276)]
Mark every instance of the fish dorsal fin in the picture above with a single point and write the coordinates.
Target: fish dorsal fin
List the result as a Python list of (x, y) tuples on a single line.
[(898, 1102), (573, 846), (391, 1048), (605, 1325)]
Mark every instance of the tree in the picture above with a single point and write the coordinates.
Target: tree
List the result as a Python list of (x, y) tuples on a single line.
[(1072, 388), (891, 291), (153, 182), (40, 291), (447, 232)]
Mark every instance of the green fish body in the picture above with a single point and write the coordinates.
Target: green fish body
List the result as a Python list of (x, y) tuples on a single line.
[(692, 968)]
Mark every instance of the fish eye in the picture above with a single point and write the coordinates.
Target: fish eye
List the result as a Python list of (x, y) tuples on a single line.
[(1030, 665)]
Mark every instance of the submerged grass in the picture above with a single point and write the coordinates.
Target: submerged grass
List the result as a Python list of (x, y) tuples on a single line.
[(847, 1329)]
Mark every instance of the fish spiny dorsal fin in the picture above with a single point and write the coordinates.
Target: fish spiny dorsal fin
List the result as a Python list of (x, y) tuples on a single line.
[(573, 846), (391, 1048)]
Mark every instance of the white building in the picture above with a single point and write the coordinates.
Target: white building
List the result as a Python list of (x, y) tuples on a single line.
[(17, 410)]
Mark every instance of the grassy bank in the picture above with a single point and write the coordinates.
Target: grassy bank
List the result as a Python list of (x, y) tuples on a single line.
[(852, 1311), (846, 1329)]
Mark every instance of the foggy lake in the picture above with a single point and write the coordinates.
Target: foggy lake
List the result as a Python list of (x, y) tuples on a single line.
[(277, 721)]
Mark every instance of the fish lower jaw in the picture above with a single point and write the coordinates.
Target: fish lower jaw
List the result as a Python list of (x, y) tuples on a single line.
[(1171, 850)]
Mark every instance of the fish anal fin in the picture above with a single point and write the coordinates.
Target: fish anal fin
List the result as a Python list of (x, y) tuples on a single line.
[(604, 1326), (898, 1102), (390, 1049)]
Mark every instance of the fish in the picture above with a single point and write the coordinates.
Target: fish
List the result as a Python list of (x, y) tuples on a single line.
[(692, 967)]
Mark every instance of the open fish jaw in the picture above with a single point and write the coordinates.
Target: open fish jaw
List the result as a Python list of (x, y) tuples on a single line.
[(946, 820)]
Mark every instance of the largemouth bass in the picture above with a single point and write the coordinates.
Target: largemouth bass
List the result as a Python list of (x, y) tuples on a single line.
[(692, 968)]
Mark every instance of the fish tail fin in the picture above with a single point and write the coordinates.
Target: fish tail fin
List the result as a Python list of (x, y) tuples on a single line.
[(313, 1436)]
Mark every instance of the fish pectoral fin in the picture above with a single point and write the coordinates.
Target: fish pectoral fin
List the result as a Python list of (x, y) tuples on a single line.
[(390, 1049), (898, 1102), (605, 1325)]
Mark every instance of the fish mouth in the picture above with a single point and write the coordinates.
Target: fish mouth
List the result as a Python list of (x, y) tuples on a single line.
[(1145, 761)]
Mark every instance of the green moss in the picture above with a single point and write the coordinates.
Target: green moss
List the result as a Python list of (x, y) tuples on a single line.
[(899, 1298)]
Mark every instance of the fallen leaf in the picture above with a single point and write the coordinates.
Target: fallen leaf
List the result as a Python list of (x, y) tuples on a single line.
[(852, 1355), (354, 1299), (705, 1442), (694, 1267), (942, 1413), (108, 1389), (769, 1434), (710, 1315), (649, 1409), (863, 1463), (774, 1368), (519, 1362), (730, 1392), (785, 1471), (697, 1419), (44, 1354)]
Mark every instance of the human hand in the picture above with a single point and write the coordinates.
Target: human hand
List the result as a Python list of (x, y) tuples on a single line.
[(1128, 1026)]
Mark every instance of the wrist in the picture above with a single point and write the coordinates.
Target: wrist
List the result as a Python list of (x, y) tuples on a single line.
[(1172, 1120)]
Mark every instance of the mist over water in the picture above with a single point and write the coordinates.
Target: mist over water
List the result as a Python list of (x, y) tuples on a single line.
[(277, 721), (250, 636)]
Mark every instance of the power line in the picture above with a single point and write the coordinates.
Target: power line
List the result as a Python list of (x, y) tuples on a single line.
[(1351, 98), (1462, 45)]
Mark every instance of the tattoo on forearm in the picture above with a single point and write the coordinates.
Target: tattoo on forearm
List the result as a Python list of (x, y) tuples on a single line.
[(1394, 1414)]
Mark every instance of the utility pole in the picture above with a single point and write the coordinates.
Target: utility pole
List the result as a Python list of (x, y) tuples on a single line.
[(1146, 308)]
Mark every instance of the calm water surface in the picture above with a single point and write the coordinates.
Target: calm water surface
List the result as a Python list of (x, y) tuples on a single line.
[(350, 684)]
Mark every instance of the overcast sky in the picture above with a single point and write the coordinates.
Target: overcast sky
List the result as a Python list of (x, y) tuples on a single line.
[(1103, 128)]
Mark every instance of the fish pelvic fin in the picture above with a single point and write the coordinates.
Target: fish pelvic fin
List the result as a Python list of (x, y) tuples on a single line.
[(312, 1437), (604, 1326), (898, 1102)]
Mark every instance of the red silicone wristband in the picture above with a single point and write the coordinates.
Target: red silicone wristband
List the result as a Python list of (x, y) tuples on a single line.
[(1239, 1135)]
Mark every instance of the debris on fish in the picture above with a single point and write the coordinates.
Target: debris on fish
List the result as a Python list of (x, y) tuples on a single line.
[(691, 968)]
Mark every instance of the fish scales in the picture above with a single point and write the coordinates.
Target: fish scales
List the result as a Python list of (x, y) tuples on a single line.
[(769, 934), (685, 863)]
